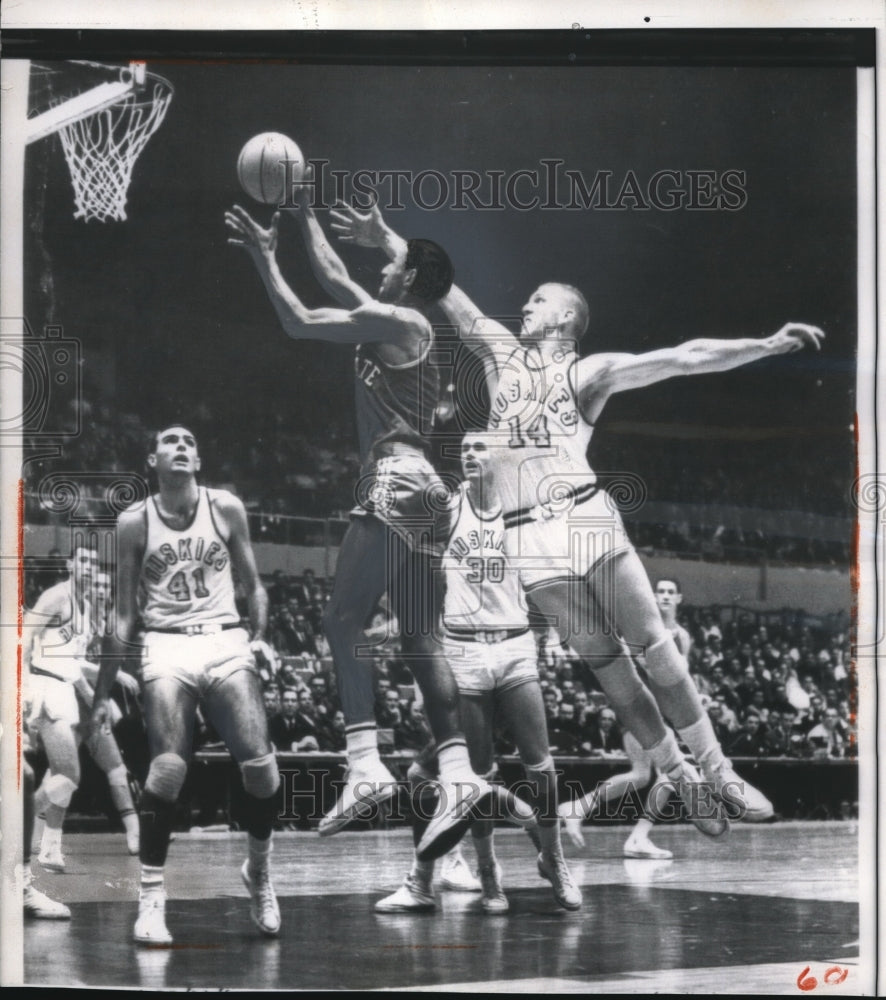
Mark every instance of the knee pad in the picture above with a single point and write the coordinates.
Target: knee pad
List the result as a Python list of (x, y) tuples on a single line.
[(261, 776), (620, 681), (166, 776), (117, 777), (59, 790), (665, 663)]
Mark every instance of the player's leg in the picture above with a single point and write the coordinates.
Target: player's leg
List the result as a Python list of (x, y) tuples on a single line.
[(35, 903), (104, 751), (522, 708), (360, 581), (60, 742), (639, 844), (630, 603), (416, 894), (235, 708), (169, 710), (476, 715), (571, 606), (416, 589), (619, 788)]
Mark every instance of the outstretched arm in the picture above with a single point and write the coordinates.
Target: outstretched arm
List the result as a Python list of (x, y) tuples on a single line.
[(609, 373), (371, 321)]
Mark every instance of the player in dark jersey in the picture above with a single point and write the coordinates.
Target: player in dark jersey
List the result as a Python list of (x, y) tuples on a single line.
[(401, 520), (176, 553), (576, 560)]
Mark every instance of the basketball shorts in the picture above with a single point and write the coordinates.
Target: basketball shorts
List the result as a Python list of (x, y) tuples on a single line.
[(199, 663), (483, 665), (546, 546), (407, 494), (52, 700)]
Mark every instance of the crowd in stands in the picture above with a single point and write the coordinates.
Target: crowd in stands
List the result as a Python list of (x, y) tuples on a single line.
[(772, 688), (283, 470)]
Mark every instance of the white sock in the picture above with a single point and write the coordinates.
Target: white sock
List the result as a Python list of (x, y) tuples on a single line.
[(666, 754), (485, 849), (422, 871), (259, 852), (51, 839), (362, 743), (702, 742), (640, 833), (454, 761), (151, 878)]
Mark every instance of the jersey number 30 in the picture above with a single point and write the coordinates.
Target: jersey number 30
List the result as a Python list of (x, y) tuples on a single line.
[(491, 569)]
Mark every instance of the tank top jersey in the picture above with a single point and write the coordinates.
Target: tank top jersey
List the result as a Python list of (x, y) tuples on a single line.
[(395, 403), (186, 575), (59, 647), (541, 438), (482, 589)]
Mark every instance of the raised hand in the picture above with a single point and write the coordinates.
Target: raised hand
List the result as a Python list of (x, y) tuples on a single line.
[(796, 336), (365, 229), (247, 233)]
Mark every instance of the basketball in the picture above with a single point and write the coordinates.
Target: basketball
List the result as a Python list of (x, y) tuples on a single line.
[(262, 167)]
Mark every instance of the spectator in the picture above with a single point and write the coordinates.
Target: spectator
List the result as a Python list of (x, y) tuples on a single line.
[(291, 731), (723, 732), (824, 739), (323, 701), (604, 736), (388, 711), (271, 697), (332, 733), (749, 740), (411, 732), (562, 732)]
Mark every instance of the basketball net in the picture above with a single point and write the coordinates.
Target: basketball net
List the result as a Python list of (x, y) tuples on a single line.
[(102, 148)]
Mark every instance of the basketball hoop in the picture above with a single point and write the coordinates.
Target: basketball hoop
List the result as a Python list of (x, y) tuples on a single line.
[(101, 148)]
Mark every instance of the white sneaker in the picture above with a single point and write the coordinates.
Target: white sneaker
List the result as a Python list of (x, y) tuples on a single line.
[(456, 876), (641, 847), (365, 788), (414, 896), (38, 905), (263, 907), (740, 796), (458, 804), (493, 899), (150, 925), (703, 809), (555, 870), (571, 823), (52, 860)]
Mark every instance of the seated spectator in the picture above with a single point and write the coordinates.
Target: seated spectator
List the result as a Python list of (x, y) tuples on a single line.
[(271, 698), (603, 738), (717, 713), (291, 730), (388, 711), (824, 740), (331, 731), (411, 732), (562, 731), (749, 740), (323, 701)]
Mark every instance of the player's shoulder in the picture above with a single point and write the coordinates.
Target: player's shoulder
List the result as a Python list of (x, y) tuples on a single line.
[(227, 507), (222, 499), (407, 319), (54, 596)]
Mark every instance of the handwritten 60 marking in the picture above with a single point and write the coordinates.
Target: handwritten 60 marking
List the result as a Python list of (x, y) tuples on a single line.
[(833, 977)]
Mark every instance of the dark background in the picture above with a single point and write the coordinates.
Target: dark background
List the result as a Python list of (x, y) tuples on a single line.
[(175, 324)]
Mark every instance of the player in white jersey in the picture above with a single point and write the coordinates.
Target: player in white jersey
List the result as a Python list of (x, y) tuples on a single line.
[(578, 564), (668, 596), (176, 553), (57, 633), (494, 657)]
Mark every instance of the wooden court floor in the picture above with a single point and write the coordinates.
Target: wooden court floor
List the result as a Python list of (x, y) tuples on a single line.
[(754, 913)]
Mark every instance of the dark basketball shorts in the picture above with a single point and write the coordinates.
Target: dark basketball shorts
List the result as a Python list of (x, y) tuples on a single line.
[(406, 493)]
